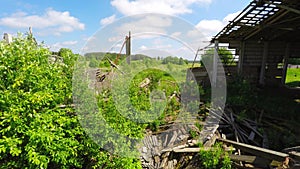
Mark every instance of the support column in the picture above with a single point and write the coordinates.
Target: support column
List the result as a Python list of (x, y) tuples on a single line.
[(128, 48), (263, 64), (241, 57), (215, 63), (285, 62)]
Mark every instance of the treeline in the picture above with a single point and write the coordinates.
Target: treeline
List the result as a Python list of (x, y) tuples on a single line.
[(99, 59), (174, 60), (294, 61)]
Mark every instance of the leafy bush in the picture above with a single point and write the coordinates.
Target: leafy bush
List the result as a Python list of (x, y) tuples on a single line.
[(215, 158), (34, 131)]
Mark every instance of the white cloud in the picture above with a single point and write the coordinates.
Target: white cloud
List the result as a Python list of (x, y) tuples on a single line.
[(211, 27), (70, 42), (170, 7), (108, 20), (55, 21), (65, 44), (176, 34), (143, 47), (144, 26), (231, 16)]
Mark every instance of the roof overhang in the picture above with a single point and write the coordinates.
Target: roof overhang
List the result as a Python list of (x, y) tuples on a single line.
[(270, 20)]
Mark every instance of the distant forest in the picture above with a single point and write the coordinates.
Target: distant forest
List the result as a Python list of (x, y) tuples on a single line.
[(99, 59)]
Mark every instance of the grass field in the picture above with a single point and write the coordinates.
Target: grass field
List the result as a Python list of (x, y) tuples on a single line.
[(293, 77)]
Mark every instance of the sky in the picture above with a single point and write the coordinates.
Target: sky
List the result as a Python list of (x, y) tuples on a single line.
[(176, 27)]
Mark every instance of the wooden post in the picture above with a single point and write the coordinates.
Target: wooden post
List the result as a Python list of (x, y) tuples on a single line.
[(263, 64), (241, 57), (128, 48), (285, 63), (215, 63), (7, 37)]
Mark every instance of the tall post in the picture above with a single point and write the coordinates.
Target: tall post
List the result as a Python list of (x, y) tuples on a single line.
[(285, 63), (215, 63), (7, 37), (263, 64), (128, 48), (241, 57)]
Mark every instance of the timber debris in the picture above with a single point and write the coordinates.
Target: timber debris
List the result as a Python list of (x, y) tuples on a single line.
[(241, 137)]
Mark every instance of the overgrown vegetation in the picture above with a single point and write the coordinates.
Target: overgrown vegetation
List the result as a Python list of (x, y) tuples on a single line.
[(273, 108), (215, 159)]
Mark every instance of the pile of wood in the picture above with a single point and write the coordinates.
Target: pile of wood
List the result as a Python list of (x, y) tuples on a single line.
[(157, 150), (175, 148), (251, 143), (242, 129)]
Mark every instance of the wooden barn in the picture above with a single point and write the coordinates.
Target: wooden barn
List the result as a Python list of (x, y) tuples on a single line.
[(264, 35)]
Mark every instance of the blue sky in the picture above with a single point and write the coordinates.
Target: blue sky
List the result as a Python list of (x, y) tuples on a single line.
[(70, 24)]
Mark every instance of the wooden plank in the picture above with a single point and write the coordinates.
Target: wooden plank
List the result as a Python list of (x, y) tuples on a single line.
[(263, 63), (258, 151), (255, 160), (249, 159), (295, 155), (198, 149)]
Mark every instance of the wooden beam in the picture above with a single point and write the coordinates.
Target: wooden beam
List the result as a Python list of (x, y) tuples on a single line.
[(285, 7), (254, 160), (198, 149), (261, 27), (263, 64), (241, 57), (258, 151), (215, 63)]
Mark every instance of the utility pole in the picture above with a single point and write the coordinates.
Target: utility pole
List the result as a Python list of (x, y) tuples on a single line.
[(128, 48)]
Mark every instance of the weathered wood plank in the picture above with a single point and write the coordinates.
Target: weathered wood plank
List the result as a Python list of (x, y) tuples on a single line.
[(197, 149), (258, 151)]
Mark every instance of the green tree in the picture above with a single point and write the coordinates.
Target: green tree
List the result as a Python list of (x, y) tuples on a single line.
[(93, 63), (181, 61)]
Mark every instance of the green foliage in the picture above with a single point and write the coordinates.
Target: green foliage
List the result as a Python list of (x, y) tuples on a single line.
[(93, 63), (34, 131), (293, 77), (147, 106), (215, 158), (294, 61), (225, 56), (240, 93), (174, 60)]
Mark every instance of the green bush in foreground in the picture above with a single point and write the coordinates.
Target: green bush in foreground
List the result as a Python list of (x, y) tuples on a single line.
[(34, 131)]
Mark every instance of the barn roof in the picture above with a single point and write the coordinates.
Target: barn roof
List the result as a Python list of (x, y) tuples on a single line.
[(264, 20)]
